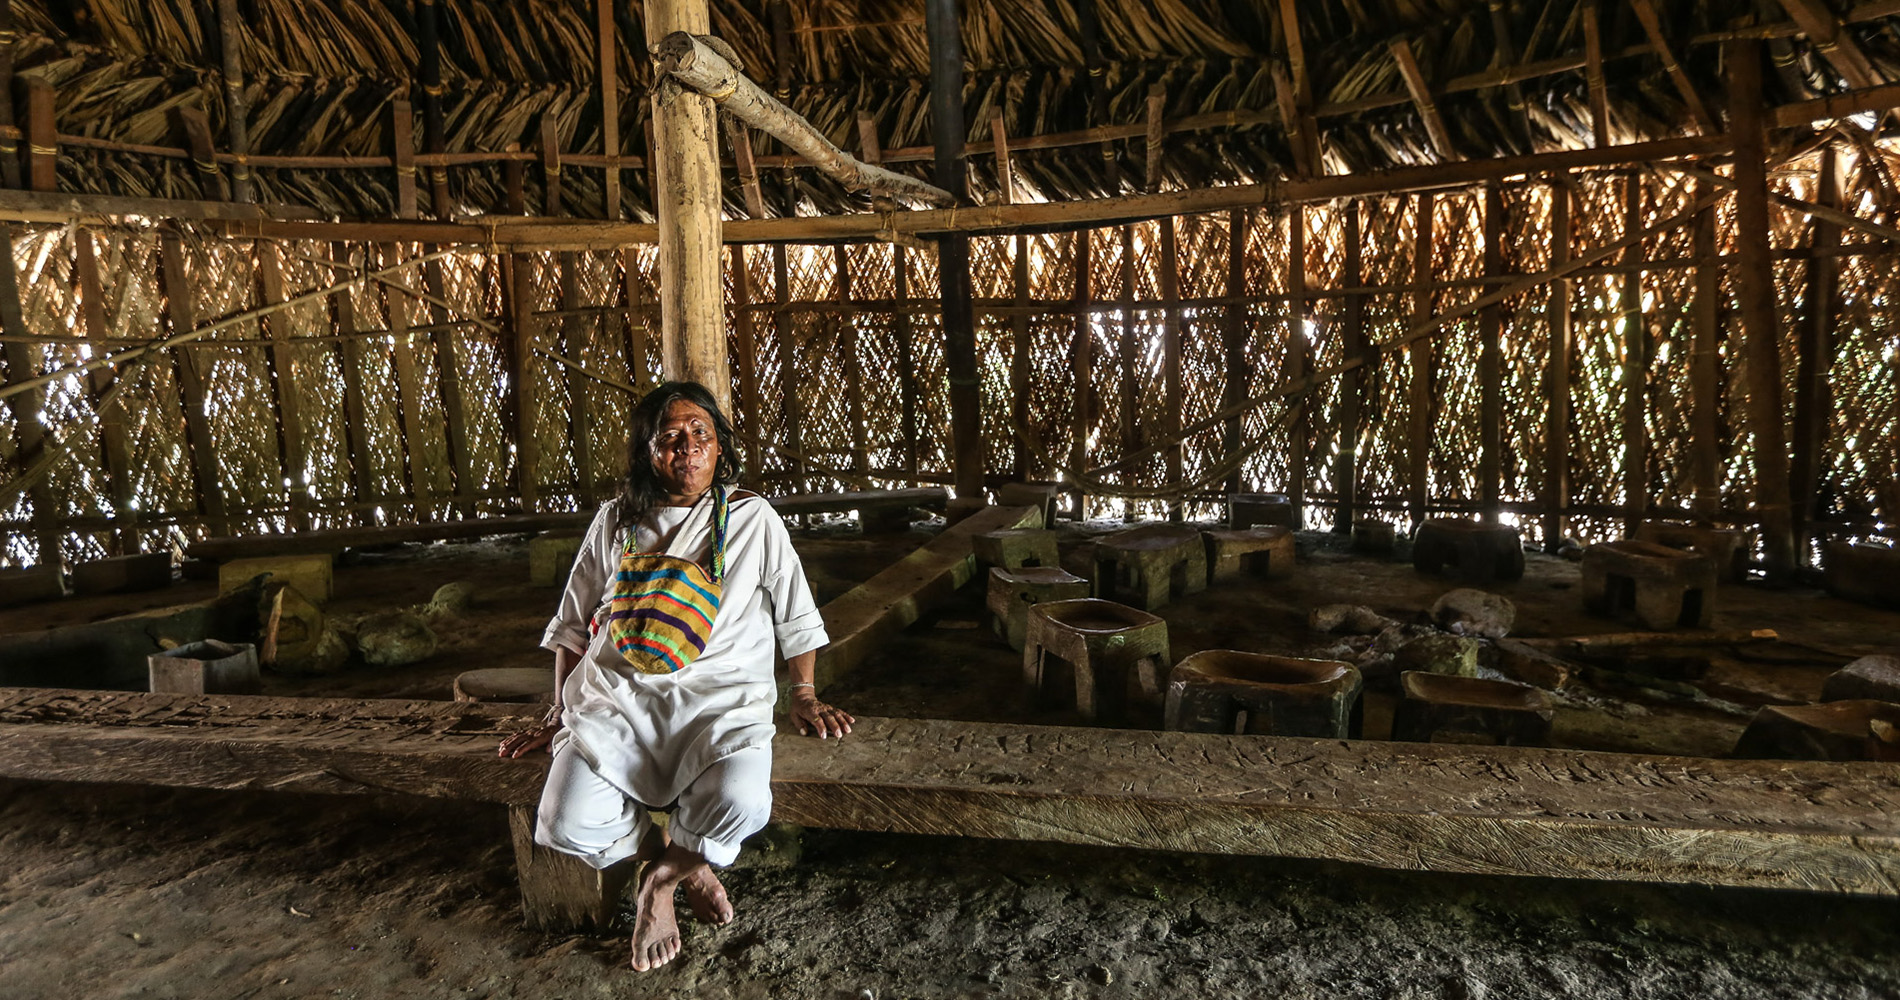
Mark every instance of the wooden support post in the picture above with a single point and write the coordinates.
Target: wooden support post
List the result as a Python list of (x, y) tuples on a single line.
[(1704, 365), (1557, 374), (906, 359), (396, 305), (1813, 403), (1755, 288), (1298, 351), (1593, 75), (1005, 174), (576, 337), (42, 136), (286, 388), (788, 354), (1353, 387), (953, 251), (448, 370), (9, 148), (1084, 360), (1652, 26), (1234, 390), (1635, 366), (115, 444), (514, 183), (1157, 105), (1020, 350), (518, 356), (355, 408), (179, 309), (237, 108), (1423, 100), (402, 146), (23, 362), (1129, 355), (751, 412), (747, 167), (847, 347), (1419, 450), (1171, 399), (550, 166), (687, 201), (638, 339), (429, 68), (1491, 365), (197, 131), (606, 48)]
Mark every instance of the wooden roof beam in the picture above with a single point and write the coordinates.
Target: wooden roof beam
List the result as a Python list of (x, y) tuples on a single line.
[(1593, 76), (1652, 26), (1422, 99), (1507, 56), (1005, 175), (1301, 124), (1835, 45)]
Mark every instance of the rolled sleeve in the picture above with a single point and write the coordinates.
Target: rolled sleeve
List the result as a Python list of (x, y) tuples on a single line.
[(586, 586), (799, 626)]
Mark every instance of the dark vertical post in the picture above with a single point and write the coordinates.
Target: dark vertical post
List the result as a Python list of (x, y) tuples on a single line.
[(606, 49), (847, 347), (9, 149), (1813, 404), (1755, 287), (947, 135), (1557, 376), (42, 136), (237, 108), (1019, 358), (355, 407), (745, 334), (183, 315), (1353, 392), (1299, 429), (1419, 449), (1704, 365), (1635, 366), (906, 360), (1234, 341), (287, 390), (23, 362), (577, 334), (1130, 405), (1491, 363), (1171, 403), (402, 355), (112, 429), (429, 67), (1084, 359)]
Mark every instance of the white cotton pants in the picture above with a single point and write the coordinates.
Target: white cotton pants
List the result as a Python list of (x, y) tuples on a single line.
[(583, 815)]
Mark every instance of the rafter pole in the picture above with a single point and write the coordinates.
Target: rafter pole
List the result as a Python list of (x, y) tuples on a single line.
[(42, 136), (9, 147), (434, 128), (237, 107), (1593, 75), (1685, 88), (402, 149), (606, 49), (1506, 57), (550, 165), (953, 251), (1005, 174), (1304, 127), (1157, 106), (1835, 45), (742, 161), (1422, 99)]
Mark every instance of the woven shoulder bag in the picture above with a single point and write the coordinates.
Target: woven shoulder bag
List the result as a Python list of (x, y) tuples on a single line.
[(663, 606)]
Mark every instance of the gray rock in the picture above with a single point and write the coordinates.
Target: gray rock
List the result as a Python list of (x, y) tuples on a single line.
[(327, 655), (1354, 618), (1871, 677), (1439, 654), (1467, 611), (450, 600), (394, 639)]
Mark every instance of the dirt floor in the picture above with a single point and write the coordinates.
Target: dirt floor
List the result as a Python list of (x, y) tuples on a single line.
[(110, 891)]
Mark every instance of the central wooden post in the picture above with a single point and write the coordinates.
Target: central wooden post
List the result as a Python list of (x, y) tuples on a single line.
[(687, 201), (953, 250)]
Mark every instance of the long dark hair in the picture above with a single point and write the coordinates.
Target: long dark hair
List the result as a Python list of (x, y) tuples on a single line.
[(641, 491)]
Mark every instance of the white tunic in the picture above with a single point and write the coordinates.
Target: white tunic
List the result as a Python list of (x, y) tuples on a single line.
[(650, 735)]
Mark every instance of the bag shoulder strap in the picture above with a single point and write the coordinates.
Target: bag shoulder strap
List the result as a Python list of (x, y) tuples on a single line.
[(715, 498)]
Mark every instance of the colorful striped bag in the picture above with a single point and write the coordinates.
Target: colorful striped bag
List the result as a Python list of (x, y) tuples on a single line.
[(662, 607)]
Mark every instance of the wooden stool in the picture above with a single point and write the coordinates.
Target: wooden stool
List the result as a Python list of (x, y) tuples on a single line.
[(1869, 574), (1100, 641), (1836, 730), (1014, 548), (1374, 538), (506, 684), (1228, 691), (1660, 587), (1244, 510), (1727, 548), (1013, 591), (1266, 550), (1031, 494), (1149, 564), (1468, 550), (1508, 713)]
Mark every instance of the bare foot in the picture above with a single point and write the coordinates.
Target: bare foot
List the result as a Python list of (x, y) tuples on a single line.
[(707, 897), (656, 934)]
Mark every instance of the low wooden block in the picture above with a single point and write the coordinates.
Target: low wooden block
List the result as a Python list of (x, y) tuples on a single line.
[(34, 583), (1150, 564), (551, 557), (1374, 538), (312, 575), (207, 667), (1728, 548), (1835, 730), (1231, 691), (1265, 550), (146, 571), (1038, 494), (559, 892), (963, 507), (1105, 644), (1503, 712), (535, 684), (1011, 592), (1015, 548), (1869, 574), (1244, 510), (1870, 677), (1468, 550), (1660, 587)]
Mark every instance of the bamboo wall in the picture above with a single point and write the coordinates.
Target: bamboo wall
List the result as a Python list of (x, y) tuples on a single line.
[(378, 406)]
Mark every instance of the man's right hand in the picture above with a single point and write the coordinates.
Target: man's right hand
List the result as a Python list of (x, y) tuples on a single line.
[(529, 740)]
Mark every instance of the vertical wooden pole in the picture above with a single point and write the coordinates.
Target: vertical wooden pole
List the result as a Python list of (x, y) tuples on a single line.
[(1557, 375), (9, 149), (448, 371), (1234, 342), (23, 362), (906, 361), (847, 319), (687, 201), (237, 108), (179, 309), (1491, 364), (606, 47), (42, 136), (1593, 76), (1419, 451), (1300, 428), (788, 353), (1129, 355), (1084, 368), (1813, 403), (1157, 131), (1635, 367), (514, 182), (751, 414), (1353, 390), (1755, 286), (550, 166), (286, 386), (396, 306), (429, 68), (197, 129), (402, 144), (1704, 365), (1172, 403), (1019, 359), (355, 409), (576, 337), (116, 446), (639, 340), (948, 136), (518, 356)]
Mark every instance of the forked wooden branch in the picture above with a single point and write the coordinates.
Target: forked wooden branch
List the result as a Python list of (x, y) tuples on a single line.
[(698, 65)]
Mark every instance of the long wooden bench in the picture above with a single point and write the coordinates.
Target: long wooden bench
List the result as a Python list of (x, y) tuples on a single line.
[(1825, 827)]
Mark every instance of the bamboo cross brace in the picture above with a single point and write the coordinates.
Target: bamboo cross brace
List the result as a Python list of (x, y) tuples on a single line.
[(1819, 211), (698, 65), (163, 343)]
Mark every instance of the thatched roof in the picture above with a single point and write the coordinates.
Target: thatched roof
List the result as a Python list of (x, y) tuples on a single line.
[(320, 76)]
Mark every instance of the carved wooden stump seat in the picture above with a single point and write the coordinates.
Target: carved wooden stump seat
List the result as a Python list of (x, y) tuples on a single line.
[(1230, 691), (1014, 548), (1726, 547), (1468, 550), (1148, 565), (1837, 730), (1264, 550), (1660, 587), (1470, 709), (1101, 643), (1244, 510), (1013, 591)]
